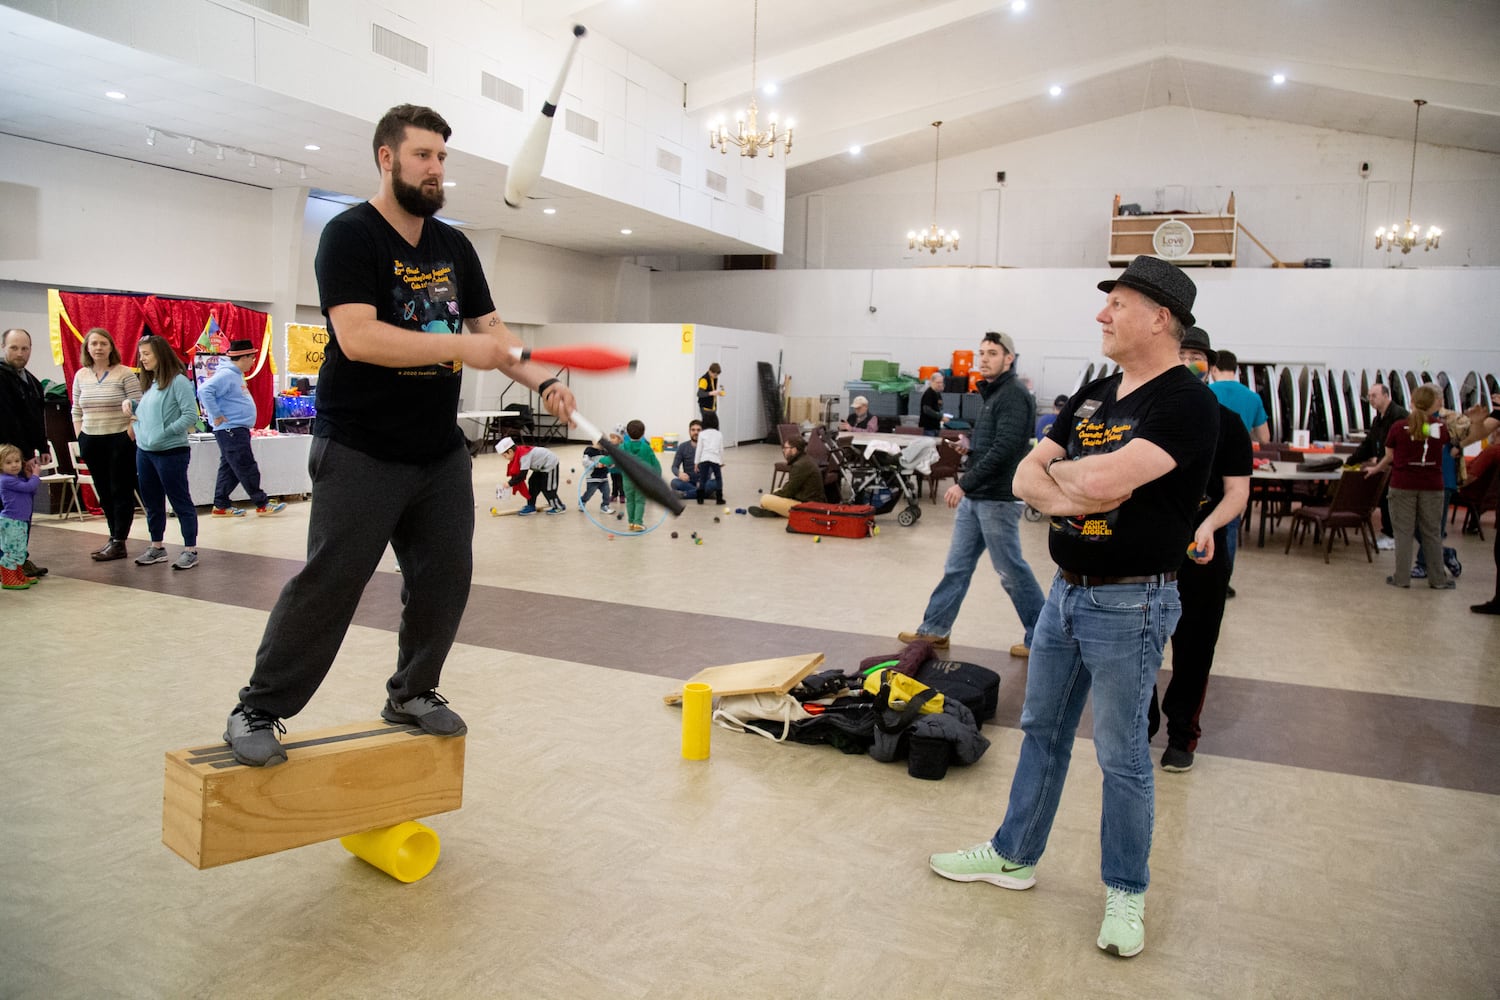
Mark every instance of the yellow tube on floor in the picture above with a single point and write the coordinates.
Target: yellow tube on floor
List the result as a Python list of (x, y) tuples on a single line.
[(406, 851), (697, 710)]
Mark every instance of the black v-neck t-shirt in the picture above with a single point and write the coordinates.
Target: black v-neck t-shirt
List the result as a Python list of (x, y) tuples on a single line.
[(407, 414)]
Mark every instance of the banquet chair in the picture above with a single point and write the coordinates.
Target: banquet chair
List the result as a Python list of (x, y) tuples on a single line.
[(947, 466), (50, 474), (1476, 497), (1352, 505), (785, 433), (81, 477)]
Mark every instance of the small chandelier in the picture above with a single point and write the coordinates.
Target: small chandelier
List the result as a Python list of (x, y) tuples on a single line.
[(934, 239), (1410, 235), (747, 134)]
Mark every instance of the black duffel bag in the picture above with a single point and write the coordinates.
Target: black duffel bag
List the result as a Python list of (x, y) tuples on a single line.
[(978, 688)]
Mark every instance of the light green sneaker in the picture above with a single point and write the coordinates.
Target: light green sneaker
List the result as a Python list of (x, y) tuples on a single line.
[(980, 863), (1123, 932)]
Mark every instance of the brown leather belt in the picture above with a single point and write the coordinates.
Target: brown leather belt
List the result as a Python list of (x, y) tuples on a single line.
[(1081, 580)]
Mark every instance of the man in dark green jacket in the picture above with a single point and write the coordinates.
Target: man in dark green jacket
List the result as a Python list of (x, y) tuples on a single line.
[(804, 482), (989, 514)]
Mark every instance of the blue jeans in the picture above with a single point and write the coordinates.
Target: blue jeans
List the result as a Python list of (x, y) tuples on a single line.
[(1111, 639), (162, 476), (981, 525), (237, 467)]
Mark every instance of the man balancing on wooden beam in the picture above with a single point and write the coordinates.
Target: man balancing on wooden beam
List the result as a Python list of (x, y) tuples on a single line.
[(399, 290)]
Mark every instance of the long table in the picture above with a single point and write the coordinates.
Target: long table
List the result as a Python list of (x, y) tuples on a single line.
[(1276, 485), (282, 460)]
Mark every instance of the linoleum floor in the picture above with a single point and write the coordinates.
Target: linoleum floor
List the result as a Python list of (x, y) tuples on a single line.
[(1336, 837)]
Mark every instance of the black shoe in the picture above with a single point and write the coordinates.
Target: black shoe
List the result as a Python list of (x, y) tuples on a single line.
[(1228, 591), (1176, 761), (429, 710), (758, 511), (1487, 608), (720, 500), (251, 734), (114, 550), (32, 569), (700, 501)]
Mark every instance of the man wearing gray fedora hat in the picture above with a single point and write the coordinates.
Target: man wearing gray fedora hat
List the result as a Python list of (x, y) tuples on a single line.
[(1121, 472)]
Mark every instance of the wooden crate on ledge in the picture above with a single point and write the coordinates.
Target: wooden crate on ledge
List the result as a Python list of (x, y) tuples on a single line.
[(1187, 240)]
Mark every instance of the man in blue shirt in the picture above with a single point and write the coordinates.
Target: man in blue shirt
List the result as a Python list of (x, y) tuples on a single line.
[(1247, 405), (231, 413)]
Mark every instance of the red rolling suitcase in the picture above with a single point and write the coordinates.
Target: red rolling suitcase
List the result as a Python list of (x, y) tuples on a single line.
[(838, 520)]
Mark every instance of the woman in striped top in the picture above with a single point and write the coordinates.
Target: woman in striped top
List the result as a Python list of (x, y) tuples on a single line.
[(105, 441)]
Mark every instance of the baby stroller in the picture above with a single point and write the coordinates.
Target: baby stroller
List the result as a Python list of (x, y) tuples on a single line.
[(880, 481)]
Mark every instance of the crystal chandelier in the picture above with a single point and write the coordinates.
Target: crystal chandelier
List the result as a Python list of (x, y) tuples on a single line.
[(747, 134), (1410, 235), (934, 239)]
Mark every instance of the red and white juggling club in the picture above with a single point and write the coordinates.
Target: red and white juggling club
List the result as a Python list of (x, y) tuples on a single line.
[(583, 357)]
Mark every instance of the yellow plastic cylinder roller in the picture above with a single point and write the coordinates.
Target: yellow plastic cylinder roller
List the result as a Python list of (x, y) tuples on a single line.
[(406, 851)]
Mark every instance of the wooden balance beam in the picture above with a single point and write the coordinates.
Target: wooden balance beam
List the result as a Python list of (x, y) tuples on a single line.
[(335, 782)]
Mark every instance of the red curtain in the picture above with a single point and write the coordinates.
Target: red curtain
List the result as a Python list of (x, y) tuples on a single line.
[(179, 321)]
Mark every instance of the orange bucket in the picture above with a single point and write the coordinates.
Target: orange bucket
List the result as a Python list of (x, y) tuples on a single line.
[(962, 362), (926, 372)]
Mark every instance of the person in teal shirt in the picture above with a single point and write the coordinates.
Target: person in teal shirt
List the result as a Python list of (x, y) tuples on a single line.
[(161, 420), (1235, 395), (1246, 404)]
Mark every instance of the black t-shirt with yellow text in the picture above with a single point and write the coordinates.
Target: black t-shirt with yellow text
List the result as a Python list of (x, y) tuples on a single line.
[(1148, 533), (395, 414)]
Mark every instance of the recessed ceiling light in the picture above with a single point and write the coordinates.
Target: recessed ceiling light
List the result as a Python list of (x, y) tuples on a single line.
[(549, 211), (312, 147), (854, 150), (450, 184), (625, 232), (114, 95), (769, 88), (1279, 78), (1055, 90), (1017, 6)]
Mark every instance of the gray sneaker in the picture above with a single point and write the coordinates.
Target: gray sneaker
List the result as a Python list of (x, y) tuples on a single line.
[(187, 560), (429, 710), (153, 555), (251, 734)]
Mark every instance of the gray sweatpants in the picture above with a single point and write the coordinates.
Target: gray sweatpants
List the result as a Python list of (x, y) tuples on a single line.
[(359, 504)]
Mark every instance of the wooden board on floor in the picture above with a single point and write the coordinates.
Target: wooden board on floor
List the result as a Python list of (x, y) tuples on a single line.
[(780, 674), (335, 782)]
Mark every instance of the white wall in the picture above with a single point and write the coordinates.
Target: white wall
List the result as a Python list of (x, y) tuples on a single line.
[(1297, 188), (1434, 319)]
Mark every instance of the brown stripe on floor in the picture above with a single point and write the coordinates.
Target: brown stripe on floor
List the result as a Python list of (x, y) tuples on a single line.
[(1418, 740)]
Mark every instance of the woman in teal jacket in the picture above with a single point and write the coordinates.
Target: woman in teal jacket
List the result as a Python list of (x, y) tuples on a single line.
[(162, 418)]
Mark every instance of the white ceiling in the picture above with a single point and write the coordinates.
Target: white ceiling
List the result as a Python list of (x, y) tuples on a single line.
[(872, 72)]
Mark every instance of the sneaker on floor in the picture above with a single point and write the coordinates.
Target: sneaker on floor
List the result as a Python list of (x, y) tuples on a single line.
[(1228, 592), (270, 508), (637, 527), (528, 509), (1123, 932), (1385, 543), (1392, 581), (605, 508), (581, 508), (937, 641), (1419, 572), (1176, 760), (228, 512), (555, 510), (980, 863), (758, 511), (251, 734), (33, 570), (155, 554), (429, 710), (1487, 608), (1448, 584), (186, 560), (1020, 651)]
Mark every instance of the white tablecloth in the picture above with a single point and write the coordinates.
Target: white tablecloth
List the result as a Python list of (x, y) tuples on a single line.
[(282, 461)]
